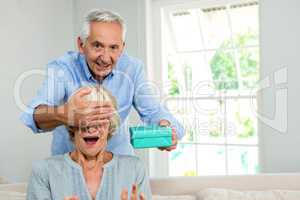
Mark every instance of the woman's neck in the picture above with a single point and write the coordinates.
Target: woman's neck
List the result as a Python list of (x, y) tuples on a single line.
[(101, 158), (92, 168)]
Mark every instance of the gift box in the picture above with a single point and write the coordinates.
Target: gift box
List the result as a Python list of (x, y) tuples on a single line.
[(150, 136)]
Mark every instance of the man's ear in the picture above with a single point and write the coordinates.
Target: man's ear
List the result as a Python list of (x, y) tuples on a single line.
[(80, 45), (123, 47)]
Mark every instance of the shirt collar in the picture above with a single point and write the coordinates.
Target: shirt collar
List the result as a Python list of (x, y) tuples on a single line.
[(85, 67)]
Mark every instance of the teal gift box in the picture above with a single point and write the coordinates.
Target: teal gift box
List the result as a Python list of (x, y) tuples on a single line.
[(150, 136)]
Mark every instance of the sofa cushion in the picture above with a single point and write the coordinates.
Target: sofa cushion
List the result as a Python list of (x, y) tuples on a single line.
[(227, 194), (288, 194), (14, 187), (8, 195), (173, 197), (3, 180), (218, 194)]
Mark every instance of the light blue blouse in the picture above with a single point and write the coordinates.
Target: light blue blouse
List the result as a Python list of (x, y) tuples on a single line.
[(59, 176)]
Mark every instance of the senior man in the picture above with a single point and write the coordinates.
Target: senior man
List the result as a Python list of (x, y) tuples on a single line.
[(101, 60)]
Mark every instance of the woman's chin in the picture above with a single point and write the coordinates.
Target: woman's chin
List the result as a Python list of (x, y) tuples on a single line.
[(91, 153)]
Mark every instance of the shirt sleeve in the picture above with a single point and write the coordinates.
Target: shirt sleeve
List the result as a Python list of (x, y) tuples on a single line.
[(38, 185), (51, 93), (143, 183), (146, 102)]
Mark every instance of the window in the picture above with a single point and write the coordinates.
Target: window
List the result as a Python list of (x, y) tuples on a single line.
[(210, 61)]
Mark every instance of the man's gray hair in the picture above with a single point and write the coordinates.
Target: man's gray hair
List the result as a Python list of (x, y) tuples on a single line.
[(97, 15)]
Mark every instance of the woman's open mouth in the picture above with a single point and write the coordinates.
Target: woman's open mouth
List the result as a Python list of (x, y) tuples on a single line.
[(91, 140)]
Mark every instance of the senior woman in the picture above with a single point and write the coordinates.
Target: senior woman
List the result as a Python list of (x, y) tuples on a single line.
[(90, 172)]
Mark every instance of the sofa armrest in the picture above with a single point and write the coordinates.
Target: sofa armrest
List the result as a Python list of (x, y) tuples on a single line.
[(3, 180), (14, 187), (192, 185)]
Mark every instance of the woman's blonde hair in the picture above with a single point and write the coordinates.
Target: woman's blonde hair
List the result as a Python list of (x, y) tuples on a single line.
[(100, 94)]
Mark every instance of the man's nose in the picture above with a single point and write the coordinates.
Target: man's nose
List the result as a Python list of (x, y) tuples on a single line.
[(105, 56)]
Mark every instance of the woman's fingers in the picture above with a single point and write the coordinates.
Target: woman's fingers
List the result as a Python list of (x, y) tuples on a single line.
[(71, 198), (124, 194), (134, 192), (142, 196)]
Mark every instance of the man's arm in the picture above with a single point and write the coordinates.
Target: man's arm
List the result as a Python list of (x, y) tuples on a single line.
[(75, 112), (147, 104), (49, 109), (50, 95), (49, 117)]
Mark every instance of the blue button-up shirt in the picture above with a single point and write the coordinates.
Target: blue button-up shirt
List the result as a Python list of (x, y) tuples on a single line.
[(126, 82)]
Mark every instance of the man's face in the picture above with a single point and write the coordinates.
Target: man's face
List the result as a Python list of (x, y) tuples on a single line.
[(91, 140), (102, 48)]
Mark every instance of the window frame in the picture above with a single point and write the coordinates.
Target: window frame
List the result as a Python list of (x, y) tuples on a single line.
[(159, 161)]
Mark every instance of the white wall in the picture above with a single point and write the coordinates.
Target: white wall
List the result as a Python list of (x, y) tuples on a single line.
[(32, 33), (280, 43)]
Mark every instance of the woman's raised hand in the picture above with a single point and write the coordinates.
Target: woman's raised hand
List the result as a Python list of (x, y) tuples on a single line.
[(72, 198), (134, 194)]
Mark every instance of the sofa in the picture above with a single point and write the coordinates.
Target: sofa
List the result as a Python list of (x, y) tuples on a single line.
[(245, 187), (249, 187)]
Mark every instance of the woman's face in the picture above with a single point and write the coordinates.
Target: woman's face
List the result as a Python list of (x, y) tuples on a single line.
[(91, 140)]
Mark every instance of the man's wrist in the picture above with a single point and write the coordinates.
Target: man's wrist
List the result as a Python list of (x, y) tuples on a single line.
[(61, 113)]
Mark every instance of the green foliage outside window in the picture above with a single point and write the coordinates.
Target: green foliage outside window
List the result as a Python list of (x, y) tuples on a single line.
[(223, 64), (174, 89), (224, 75), (223, 68)]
